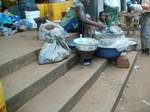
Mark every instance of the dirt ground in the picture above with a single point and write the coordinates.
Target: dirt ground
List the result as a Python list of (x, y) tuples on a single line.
[(136, 96)]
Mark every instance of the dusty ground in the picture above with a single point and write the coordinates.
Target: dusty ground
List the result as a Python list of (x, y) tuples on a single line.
[(136, 96)]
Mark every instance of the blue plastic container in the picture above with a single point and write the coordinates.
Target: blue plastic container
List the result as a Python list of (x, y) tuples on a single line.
[(108, 53)]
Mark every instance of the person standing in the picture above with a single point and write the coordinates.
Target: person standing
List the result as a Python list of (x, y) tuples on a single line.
[(145, 33)]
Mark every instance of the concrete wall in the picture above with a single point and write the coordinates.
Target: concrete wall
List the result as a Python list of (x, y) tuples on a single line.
[(100, 5), (94, 8)]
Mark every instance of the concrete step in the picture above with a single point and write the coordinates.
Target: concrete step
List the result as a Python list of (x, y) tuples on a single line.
[(104, 95), (20, 50), (65, 92), (22, 85)]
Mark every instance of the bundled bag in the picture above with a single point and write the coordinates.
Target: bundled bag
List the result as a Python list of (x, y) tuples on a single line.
[(136, 7), (112, 37), (53, 51), (112, 31), (119, 43), (52, 30)]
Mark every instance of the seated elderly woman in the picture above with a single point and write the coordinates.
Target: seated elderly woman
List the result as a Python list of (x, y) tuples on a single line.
[(76, 19)]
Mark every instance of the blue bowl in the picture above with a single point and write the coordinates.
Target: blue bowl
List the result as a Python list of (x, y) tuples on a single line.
[(108, 53)]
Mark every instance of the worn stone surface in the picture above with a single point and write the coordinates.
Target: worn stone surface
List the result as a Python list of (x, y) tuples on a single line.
[(103, 95), (20, 73), (22, 85), (18, 51), (136, 96), (67, 90)]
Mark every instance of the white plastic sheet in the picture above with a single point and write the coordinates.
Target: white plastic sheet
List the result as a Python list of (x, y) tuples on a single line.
[(112, 37), (119, 43), (136, 7)]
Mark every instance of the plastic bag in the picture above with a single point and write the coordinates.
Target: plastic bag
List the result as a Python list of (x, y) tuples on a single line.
[(108, 32), (112, 37), (54, 51), (120, 43), (136, 7), (24, 25), (116, 30), (51, 29)]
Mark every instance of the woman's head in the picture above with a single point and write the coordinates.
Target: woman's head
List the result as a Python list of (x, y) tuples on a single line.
[(102, 16)]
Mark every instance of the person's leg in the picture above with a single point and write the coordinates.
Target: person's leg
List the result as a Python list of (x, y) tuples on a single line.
[(88, 30)]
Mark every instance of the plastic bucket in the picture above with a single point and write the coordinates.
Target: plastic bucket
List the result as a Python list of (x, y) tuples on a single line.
[(30, 15), (41, 9), (2, 100)]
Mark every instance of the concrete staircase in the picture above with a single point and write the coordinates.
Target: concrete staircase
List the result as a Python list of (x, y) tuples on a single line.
[(62, 87)]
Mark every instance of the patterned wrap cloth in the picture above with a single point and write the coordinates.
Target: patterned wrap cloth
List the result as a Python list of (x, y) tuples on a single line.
[(71, 21)]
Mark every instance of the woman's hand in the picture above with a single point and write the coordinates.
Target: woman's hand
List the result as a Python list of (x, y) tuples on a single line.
[(100, 25)]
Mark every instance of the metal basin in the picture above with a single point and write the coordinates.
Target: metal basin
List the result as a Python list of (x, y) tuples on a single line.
[(86, 44), (133, 43)]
